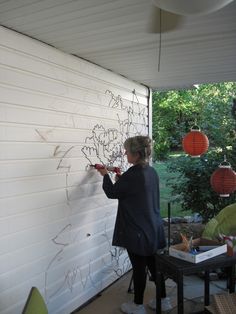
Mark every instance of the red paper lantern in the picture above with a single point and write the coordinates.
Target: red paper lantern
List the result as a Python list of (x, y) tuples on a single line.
[(195, 143), (223, 180)]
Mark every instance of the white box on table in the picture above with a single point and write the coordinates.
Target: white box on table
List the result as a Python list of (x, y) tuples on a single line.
[(215, 248)]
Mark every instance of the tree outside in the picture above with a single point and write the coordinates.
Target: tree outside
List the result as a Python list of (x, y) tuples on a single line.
[(210, 107)]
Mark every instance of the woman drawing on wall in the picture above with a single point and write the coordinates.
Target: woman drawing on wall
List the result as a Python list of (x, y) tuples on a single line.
[(138, 226)]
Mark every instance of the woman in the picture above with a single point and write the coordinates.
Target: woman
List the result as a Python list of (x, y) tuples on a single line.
[(138, 226)]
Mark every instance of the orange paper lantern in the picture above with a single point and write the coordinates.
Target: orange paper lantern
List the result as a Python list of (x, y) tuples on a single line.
[(223, 180), (195, 143)]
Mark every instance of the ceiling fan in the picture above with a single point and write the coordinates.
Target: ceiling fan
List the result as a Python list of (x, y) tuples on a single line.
[(167, 15)]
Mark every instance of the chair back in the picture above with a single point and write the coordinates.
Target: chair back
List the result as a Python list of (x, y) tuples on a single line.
[(35, 303)]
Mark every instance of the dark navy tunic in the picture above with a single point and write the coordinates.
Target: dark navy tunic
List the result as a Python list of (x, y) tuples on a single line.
[(139, 226)]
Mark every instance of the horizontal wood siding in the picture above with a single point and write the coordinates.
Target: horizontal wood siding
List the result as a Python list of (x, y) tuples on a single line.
[(58, 114)]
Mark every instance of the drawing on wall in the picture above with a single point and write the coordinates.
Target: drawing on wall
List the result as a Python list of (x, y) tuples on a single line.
[(102, 145), (107, 144)]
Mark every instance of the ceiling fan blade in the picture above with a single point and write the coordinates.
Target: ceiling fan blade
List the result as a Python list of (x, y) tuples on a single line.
[(194, 7), (162, 21)]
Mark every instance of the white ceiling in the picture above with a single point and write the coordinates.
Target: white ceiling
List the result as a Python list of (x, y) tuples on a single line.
[(115, 35)]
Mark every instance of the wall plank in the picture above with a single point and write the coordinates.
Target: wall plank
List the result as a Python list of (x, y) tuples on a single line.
[(58, 115)]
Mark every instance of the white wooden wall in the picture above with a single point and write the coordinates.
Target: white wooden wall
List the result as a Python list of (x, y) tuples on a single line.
[(58, 114)]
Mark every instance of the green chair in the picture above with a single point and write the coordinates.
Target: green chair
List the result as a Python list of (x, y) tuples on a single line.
[(35, 303), (223, 223)]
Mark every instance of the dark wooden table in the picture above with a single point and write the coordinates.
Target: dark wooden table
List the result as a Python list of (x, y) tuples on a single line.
[(176, 268)]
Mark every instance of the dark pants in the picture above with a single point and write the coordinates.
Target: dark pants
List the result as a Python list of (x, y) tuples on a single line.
[(140, 266)]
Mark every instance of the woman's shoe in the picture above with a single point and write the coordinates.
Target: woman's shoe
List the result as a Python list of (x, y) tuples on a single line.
[(165, 304), (133, 308)]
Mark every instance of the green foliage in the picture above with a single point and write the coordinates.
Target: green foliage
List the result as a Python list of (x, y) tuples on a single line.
[(171, 117), (193, 185), (165, 190), (216, 119), (175, 112)]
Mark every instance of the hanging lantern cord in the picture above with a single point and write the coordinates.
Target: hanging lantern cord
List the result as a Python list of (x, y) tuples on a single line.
[(195, 127), (225, 163), (160, 42)]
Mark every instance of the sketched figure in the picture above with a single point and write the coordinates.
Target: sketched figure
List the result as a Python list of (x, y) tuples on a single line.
[(103, 145)]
